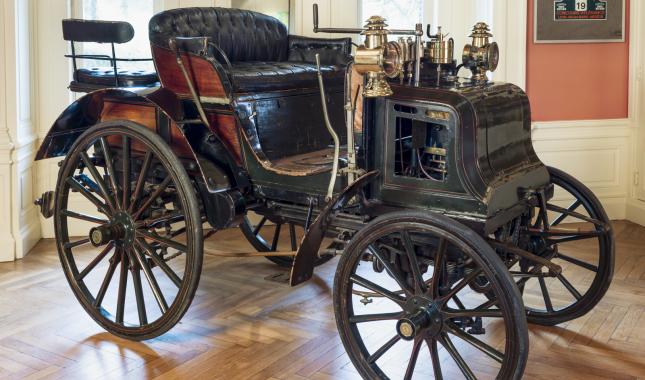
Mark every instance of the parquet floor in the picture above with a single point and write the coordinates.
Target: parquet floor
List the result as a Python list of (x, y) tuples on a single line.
[(242, 326)]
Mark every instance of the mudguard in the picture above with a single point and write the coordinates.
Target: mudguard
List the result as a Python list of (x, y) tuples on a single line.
[(216, 163), (303, 264)]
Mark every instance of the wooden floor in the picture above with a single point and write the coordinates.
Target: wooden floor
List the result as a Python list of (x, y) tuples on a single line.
[(243, 326)]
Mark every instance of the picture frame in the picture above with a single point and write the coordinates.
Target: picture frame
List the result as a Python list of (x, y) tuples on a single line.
[(579, 21)]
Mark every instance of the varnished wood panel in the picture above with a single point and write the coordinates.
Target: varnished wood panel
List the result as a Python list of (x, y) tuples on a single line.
[(225, 125), (242, 326), (206, 79), (145, 115)]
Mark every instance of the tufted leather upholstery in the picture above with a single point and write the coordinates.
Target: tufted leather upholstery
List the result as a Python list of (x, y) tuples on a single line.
[(263, 55), (243, 35), (275, 76)]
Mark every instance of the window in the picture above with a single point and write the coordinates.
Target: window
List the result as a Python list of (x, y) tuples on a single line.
[(275, 8), (138, 13), (400, 14)]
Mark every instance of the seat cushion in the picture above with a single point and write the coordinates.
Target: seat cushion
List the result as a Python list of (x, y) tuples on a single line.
[(104, 76), (275, 76)]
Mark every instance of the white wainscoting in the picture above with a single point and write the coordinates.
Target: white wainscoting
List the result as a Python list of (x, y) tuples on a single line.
[(596, 152)]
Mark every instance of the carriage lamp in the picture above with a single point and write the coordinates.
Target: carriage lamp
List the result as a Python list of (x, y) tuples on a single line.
[(481, 55), (378, 59)]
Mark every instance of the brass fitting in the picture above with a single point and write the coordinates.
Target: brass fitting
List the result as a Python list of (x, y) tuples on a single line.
[(481, 55)]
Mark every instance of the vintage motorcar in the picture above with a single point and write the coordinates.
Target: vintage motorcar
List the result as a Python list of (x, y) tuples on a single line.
[(451, 232)]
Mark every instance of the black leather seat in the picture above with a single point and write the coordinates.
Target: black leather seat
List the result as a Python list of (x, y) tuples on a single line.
[(277, 76), (104, 77), (263, 56)]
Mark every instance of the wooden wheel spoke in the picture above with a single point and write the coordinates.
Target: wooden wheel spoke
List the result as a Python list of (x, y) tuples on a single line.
[(109, 166), (460, 304), (456, 356), (419, 284), (162, 240), (138, 290), (138, 189), (478, 344), (169, 218), (257, 228), (123, 283), (77, 243), (95, 262), (374, 317), (461, 284), (545, 294), (569, 287), (276, 238), (99, 181), (160, 263), (413, 359), (377, 289), (439, 260), (102, 207), (596, 222), (577, 262), (293, 237), (114, 261), (434, 355), (576, 237), (152, 280), (487, 305), (127, 171), (394, 273), (153, 197), (86, 218), (564, 215), (385, 348)]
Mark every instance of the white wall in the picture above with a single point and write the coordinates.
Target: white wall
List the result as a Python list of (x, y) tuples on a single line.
[(20, 228)]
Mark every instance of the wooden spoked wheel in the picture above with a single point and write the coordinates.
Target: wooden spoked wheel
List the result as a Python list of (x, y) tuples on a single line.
[(267, 236), (573, 231), (136, 269), (405, 307)]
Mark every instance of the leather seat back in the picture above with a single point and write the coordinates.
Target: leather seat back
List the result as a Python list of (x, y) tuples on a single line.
[(242, 35)]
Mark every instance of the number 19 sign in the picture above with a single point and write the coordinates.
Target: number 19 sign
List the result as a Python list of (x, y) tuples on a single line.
[(569, 10)]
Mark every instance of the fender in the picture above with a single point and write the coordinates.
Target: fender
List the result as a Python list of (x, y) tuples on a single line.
[(303, 264), (216, 162)]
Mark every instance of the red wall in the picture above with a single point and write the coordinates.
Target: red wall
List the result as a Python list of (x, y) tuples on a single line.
[(577, 81)]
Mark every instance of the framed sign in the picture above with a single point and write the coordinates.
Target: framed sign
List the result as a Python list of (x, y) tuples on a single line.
[(576, 21)]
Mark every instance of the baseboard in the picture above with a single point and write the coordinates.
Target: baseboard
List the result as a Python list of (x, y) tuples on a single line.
[(636, 211), (30, 235), (8, 251)]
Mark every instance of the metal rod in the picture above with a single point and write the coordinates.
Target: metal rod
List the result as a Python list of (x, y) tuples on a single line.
[(191, 86), (350, 109), (332, 132), (116, 73), (418, 55)]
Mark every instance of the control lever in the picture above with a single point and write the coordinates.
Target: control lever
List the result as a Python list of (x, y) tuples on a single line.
[(332, 132)]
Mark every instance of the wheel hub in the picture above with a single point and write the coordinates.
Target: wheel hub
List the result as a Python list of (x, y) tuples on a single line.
[(120, 229), (422, 317)]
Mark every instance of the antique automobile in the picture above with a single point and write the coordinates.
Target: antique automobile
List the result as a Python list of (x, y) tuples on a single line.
[(412, 166)]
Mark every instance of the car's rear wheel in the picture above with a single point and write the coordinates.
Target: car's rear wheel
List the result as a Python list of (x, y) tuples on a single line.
[(136, 270)]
